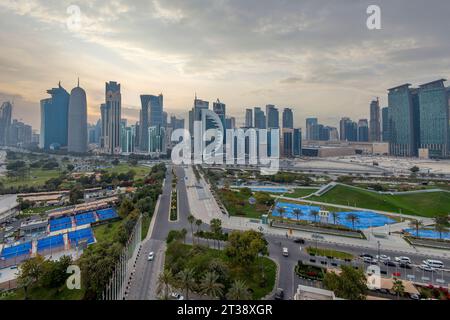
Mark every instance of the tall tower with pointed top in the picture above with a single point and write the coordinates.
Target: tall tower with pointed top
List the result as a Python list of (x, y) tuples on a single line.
[(77, 122)]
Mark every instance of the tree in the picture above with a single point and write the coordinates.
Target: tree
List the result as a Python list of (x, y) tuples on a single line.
[(314, 214), (239, 291), (198, 223), (76, 194), (70, 167), (353, 218), (335, 217), (30, 273), (216, 229), (187, 281), (440, 228), (351, 284), (115, 162), (55, 272), (398, 287), (126, 207), (244, 247), (414, 169), (165, 279), (210, 286), (416, 224), (191, 220), (183, 233), (281, 212), (297, 213)]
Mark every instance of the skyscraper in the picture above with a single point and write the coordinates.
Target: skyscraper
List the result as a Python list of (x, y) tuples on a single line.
[(219, 108), (54, 119), (363, 130), (77, 122), (156, 140), (112, 112), (151, 115), (434, 119), (248, 118), (297, 143), (5, 122), (260, 118), (309, 123), (375, 127), (385, 118), (404, 121), (272, 117), (288, 118)]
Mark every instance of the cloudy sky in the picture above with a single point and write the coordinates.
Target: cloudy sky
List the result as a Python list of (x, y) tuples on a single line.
[(316, 56)]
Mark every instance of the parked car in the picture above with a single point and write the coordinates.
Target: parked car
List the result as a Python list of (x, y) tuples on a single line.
[(369, 260), (403, 259), (426, 267), (177, 296), (383, 258), (434, 263), (366, 255), (151, 256), (279, 294), (299, 240), (391, 263), (414, 296)]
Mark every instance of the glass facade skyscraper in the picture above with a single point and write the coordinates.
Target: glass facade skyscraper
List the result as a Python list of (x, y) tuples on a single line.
[(385, 118), (260, 118), (288, 118), (272, 117)]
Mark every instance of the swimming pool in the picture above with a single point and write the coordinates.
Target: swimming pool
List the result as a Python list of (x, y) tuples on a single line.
[(428, 233), (366, 219), (270, 190)]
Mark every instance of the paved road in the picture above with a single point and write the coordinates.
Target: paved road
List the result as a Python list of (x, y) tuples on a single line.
[(144, 283)]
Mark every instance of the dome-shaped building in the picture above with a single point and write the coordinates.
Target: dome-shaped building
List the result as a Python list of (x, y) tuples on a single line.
[(77, 124)]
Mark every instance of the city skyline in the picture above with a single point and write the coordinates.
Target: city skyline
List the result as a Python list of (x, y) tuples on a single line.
[(320, 66)]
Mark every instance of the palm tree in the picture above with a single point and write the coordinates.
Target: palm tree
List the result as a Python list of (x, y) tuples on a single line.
[(187, 281), (335, 216), (352, 218), (210, 286), (183, 233), (416, 224), (216, 229), (198, 223), (398, 287), (440, 228), (191, 220), (314, 214), (297, 213), (238, 291), (165, 279), (281, 211)]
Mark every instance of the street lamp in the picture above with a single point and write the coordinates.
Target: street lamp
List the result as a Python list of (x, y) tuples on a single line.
[(379, 244)]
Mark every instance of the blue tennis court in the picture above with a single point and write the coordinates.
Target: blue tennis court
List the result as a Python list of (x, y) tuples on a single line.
[(84, 218), (60, 223), (83, 234), (365, 219), (429, 234), (270, 190), (16, 251), (106, 214), (50, 242)]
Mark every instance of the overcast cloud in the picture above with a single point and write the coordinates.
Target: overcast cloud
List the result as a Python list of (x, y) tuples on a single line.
[(315, 56)]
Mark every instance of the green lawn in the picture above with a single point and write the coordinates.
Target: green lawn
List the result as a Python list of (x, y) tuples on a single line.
[(238, 204), (39, 293), (36, 177), (141, 171), (301, 192), (107, 231), (329, 253), (422, 204)]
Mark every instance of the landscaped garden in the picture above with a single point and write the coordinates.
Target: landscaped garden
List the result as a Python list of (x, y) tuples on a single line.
[(240, 202)]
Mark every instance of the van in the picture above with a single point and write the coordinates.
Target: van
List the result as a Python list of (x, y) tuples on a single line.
[(285, 252), (434, 263)]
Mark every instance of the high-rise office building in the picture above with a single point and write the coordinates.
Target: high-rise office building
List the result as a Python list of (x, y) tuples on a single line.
[(248, 118), (363, 130), (297, 142), (385, 120), (128, 137), (288, 118), (5, 122), (404, 121), (272, 117), (348, 130), (156, 140), (20, 134), (151, 115), (230, 122), (434, 119), (111, 116), (54, 119), (375, 126), (77, 123), (260, 118), (310, 122), (196, 113), (288, 142), (176, 123), (219, 108)]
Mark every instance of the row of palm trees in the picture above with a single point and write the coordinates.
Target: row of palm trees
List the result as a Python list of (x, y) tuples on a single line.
[(215, 226), (440, 225), (353, 218), (208, 285)]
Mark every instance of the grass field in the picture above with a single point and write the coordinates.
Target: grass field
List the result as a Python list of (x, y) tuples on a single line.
[(141, 171), (106, 231), (36, 177), (303, 192), (329, 253), (238, 204), (39, 293), (421, 204)]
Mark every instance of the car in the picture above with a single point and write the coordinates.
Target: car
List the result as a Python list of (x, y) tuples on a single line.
[(391, 263), (403, 259), (299, 240), (427, 268), (369, 260), (285, 252), (177, 296), (279, 294), (383, 258), (434, 263), (404, 265), (366, 255), (414, 296), (151, 256)]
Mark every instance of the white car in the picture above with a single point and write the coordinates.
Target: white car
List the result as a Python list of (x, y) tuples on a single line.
[(426, 267), (177, 296), (285, 252), (151, 255), (404, 260), (383, 258), (434, 263)]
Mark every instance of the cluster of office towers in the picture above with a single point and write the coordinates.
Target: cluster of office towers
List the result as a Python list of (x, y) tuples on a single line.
[(13, 132)]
